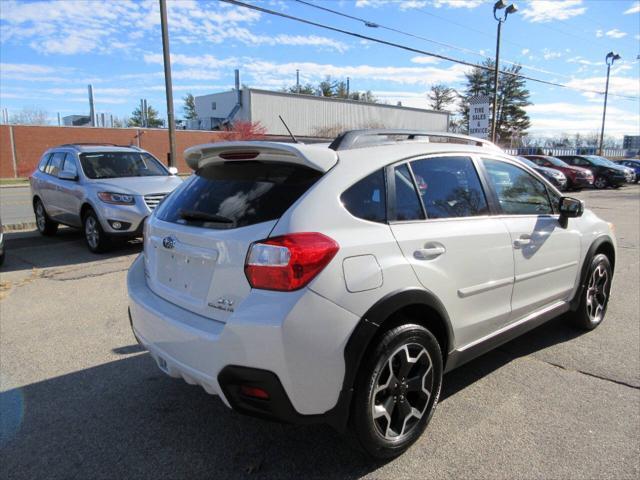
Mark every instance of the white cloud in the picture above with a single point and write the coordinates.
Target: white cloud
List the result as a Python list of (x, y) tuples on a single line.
[(599, 33), (550, 118), (615, 33), (424, 59), (525, 51), (458, 3), (617, 85), (541, 11), (635, 8), (548, 54)]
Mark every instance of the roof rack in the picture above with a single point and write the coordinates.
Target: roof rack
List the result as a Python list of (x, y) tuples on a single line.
[(97, 144), (363, 138)]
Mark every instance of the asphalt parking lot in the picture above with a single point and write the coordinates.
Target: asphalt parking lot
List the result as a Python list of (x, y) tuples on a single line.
[(79, 398)]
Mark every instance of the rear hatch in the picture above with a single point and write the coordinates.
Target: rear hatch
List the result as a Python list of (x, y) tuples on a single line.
[(197, 241)]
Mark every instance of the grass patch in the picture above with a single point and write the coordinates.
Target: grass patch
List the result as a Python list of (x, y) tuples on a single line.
[(14, 181)]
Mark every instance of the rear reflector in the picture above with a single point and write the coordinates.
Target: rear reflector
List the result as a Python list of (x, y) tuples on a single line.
[(288, 262), (254, 392)]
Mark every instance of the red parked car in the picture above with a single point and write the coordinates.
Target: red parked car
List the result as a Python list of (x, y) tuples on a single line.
[(577, 177)]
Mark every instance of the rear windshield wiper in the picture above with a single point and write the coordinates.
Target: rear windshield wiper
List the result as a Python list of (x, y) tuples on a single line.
[(203, 216)]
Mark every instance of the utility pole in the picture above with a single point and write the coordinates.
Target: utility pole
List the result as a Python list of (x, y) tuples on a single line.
[(167, 81), (610, 58), (499, 5)]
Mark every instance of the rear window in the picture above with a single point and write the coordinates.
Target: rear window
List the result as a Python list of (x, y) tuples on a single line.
[(237, 194), (366, 199)]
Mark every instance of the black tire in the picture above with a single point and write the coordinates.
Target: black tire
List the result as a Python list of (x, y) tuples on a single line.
[(45, 225), (94, 236), (600, 182), (595, 296), (407, 393)]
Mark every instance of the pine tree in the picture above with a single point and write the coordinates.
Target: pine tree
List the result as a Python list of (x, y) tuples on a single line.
[(153, 121), (189, 107), (440, 97)]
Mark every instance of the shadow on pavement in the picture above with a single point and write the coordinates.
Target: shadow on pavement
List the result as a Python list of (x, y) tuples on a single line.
[(127, 419), (27, 250)]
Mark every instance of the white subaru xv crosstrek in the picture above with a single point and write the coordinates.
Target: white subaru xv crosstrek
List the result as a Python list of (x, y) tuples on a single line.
[(337, 283)]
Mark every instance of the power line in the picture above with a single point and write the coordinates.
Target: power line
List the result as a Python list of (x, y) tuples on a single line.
[(412, 49), (369, 23)]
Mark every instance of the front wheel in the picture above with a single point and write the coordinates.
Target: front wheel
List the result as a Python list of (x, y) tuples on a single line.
[(600, 183), (397, 390), (595, 297), (95, 237)]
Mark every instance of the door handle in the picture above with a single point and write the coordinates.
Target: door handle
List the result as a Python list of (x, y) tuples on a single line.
[(428, 253), (522, 241)]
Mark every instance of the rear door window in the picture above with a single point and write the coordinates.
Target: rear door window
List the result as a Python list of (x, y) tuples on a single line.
[(449, 187), (70, 166), (43, 163), (237, 194), (55, 163), (407, 203), (366, 199)]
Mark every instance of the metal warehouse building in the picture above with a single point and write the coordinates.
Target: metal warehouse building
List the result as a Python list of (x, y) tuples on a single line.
[(308, 115)]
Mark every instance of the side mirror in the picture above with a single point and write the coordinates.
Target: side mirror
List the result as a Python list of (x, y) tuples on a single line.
[(67, 176), (173, 170), (570, 208)]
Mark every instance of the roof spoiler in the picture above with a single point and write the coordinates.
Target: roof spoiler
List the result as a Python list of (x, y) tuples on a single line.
[(365, 138), (211, 153)]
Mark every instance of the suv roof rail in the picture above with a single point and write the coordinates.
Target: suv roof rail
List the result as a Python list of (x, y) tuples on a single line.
[(96, 144), (362, 138)]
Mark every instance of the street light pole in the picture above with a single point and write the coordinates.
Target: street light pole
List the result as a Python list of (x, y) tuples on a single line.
[(610, 58), (168, 84), (499, 5)]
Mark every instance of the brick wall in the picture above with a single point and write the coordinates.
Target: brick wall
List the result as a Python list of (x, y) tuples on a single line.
[(32, 141)]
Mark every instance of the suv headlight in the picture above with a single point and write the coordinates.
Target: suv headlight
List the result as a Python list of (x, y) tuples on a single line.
[(116, 198)]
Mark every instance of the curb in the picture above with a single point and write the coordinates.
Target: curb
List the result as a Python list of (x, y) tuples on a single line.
[(15, 185), (19, 227)]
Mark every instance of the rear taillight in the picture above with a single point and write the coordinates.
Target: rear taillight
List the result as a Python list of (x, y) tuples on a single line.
[(288, 262)]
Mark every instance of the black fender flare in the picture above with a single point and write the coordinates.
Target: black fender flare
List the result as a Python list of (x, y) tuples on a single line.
[(584, 272), (364, 332)]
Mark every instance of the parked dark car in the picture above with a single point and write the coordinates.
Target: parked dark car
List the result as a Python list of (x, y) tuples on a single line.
[(556, 177), (577, 177), (634, 164), (606, 173)]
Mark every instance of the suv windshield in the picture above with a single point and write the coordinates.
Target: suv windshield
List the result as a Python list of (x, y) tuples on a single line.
[(556, 161), (98, 165), (237, 194)]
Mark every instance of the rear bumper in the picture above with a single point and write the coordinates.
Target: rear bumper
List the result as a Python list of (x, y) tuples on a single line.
[(298, 338)]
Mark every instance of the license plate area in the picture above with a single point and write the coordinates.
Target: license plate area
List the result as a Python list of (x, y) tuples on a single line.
[(186, 271)]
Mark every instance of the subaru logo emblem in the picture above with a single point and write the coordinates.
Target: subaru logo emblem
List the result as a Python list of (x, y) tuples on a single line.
[(168, 242)]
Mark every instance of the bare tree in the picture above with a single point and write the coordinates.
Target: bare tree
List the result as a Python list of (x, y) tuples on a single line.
[(30, 116)]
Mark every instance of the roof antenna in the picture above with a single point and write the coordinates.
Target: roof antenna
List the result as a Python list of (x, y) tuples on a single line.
[(295, 140)]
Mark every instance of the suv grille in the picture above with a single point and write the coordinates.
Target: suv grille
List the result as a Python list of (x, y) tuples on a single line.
[(154, 199)]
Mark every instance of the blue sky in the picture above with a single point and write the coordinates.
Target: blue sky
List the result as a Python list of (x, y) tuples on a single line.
[(50, 50)]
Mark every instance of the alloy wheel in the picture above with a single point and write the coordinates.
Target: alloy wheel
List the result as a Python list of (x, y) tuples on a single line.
[(402, 391), (41, 220), (91, 232), (597, 295), (600, 182)]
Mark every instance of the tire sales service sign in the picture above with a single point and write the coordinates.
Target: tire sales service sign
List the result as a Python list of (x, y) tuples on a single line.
[(479, 107)]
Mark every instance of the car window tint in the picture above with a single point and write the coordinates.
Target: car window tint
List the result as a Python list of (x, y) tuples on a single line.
[(519, 192), (237, 194), (366, 199), (407, 202), (449, 187), (55, 164), (69, 165), (43, 163)]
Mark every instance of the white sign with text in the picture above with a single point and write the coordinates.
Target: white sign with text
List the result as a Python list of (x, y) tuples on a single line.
[(479, 112)]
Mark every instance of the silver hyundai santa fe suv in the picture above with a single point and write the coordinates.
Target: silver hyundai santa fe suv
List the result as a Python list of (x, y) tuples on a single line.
[(337, 283), (106, 190)]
